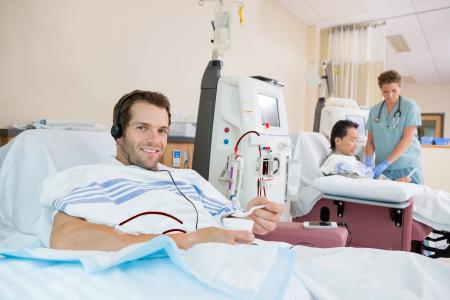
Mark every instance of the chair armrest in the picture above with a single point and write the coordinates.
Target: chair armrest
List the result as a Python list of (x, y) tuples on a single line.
[(294, 233)]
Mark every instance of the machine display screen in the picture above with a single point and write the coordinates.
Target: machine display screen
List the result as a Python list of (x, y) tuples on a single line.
[(269, 110), (361, 121)]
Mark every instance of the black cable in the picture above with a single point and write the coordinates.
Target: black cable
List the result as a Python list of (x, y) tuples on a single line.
[(128, 156), (196, 211), (170, 174), (349, 239)]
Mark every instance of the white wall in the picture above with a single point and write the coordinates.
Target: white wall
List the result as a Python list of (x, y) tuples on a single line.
[(431, 99), (74, 59)]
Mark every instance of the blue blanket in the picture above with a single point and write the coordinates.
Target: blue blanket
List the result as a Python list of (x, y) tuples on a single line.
[(156, 269)]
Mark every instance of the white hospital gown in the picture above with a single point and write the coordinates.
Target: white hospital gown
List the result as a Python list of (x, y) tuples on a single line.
[(345, 165)]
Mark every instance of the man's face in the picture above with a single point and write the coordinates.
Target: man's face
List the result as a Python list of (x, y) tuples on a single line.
[(145, 137), (347, 144)]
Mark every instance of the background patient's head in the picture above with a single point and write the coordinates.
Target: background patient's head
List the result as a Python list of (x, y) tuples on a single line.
[(344, 137)]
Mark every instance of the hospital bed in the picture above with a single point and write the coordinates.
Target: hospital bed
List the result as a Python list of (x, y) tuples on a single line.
[(158, 270), (379, 214), (36, 154)]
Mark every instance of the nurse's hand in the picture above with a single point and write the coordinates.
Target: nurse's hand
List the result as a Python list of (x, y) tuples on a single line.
[(380, 168), (265, 218)]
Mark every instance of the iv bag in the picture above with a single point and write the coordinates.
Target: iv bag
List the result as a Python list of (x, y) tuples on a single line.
[(222, 32)]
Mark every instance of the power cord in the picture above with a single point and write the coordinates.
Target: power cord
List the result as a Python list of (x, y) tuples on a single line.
[(349, 239)]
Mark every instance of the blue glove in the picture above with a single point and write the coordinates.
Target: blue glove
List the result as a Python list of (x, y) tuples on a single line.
[(368, 161), (380, 168)]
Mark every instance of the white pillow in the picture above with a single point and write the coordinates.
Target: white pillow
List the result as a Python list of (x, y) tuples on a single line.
[(342, 102), (364, 188), (31, 157)]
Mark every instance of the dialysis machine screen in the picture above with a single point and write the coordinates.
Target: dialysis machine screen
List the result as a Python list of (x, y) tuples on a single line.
[(269, 110)]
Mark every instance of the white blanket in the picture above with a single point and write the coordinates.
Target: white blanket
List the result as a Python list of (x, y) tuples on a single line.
[(431, 207), (133, 199), (358, 273)]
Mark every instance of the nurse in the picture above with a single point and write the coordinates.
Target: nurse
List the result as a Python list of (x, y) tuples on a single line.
[(392, 135)]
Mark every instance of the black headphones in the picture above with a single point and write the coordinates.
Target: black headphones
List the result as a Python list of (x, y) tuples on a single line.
[(116, 128)]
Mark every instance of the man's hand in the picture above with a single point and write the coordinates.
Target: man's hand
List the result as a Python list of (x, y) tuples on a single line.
[(265, 218), (218, 235), (404, 179)]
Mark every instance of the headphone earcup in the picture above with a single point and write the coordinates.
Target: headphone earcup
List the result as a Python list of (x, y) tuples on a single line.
[(116, 130)]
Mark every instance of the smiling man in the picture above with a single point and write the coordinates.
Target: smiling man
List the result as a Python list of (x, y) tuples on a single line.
[(143, 119), (133, 198)]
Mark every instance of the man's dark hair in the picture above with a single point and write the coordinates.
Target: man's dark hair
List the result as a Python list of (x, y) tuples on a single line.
[(340, 131), (154, 98), (390, 76)]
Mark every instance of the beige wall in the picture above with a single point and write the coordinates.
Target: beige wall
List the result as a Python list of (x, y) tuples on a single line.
[(74, 59), (314, 65), (435, 167), (432, 99)]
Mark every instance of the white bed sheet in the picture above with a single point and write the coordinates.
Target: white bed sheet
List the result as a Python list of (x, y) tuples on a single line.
[(336, 273)]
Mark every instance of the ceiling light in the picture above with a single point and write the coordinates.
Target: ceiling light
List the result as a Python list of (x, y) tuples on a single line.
[(408, 79), (398, 42)]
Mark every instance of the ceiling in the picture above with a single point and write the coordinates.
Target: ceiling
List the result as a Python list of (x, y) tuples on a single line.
[(424, 25)]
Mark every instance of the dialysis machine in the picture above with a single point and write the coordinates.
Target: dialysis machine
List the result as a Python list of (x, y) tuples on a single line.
[(250, 144), (242, 144)]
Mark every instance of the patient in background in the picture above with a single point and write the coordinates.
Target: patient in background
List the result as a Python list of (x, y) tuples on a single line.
[(341, 160), (93, 205)]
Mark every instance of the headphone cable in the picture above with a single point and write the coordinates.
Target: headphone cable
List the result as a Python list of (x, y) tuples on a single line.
[(128, 156), (175, 184)]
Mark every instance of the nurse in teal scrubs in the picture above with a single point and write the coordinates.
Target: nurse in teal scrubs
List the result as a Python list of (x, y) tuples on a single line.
[(392, 135)]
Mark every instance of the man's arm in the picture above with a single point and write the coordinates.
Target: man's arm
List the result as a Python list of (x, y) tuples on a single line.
[(78, 234), (265, 218)]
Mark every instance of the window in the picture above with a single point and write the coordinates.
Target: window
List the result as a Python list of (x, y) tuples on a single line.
[(432, 125)]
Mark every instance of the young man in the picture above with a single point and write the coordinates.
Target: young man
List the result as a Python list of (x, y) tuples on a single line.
[(148, 198), (341, 160)]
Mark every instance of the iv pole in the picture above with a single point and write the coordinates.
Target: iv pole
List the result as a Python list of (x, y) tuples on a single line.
[(208, 89), (324, 88)]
